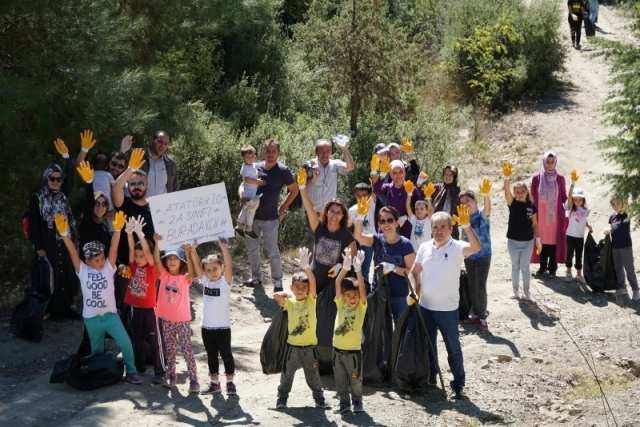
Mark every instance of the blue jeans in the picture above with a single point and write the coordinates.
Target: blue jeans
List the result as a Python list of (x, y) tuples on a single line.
[(447, 323), (398, 306), (520, 253), (270, 231), (478, 273), (110, 323)]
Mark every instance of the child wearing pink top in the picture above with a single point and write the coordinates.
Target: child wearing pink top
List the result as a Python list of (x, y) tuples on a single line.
[(175, 271)]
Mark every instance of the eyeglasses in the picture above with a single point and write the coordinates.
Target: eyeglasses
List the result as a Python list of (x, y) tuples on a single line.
[(386, 220), (137, 184), (55, 179), (117, 165), (101, 204)]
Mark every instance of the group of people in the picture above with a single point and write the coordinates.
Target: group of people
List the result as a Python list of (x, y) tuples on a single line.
[(407, 227)]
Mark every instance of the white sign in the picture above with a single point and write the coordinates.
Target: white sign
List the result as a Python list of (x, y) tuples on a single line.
[(199, 214)]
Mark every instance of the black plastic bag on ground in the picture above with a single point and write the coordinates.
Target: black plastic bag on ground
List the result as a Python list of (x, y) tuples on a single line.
[(96, 371), (378, 333), (326, 311), (26, 320), (274, 344), (62, 368), (410, 353), (598, 269), (464, 306)]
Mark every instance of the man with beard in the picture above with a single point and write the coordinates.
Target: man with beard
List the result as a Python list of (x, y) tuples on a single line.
[(161, 169)]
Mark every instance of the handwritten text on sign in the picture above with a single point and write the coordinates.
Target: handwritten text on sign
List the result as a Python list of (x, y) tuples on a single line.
[(201, 214)]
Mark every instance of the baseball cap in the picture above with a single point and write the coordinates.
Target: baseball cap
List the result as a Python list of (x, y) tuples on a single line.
[(379, 148), (177, 252), (578, 193)]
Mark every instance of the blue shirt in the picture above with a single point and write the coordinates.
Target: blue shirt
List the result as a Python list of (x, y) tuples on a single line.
[(620, 230), (277, 177), (393, 253), (482, 227)]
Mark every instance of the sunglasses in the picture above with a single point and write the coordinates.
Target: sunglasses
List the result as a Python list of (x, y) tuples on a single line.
[(171, 289), (137, 184), (101, 204), (55, 178), (117, 165), (386, 220)]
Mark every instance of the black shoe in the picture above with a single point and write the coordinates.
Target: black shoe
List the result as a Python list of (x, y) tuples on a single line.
[(252, 283), (281, 403), (250, 234), (552, 274), (456, 393), (239, 231), (541, 272), (433, 381)]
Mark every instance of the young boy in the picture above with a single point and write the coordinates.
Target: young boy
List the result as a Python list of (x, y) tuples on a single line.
[(98, 291), (351, 299), (249, 188), (302, 339), (141, 296), (622, 250), (368, 224)]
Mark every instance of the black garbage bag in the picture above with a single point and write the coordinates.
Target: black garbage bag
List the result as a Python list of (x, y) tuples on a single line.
[(464, 306), (378, 332), (589, 28), (410, 352), (96, 371), (326, 311), (62, 368), (26, 320), (274, 343), (598, 265)]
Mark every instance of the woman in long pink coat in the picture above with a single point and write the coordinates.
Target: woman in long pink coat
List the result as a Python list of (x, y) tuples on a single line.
[(549, 192)]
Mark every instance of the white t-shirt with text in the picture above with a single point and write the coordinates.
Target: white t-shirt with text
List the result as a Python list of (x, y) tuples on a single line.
[(98, 290)]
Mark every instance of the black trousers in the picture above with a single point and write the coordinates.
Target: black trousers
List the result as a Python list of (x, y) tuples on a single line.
[(576, 28), (574, 245), (218, 341), (548, 258), (145, 329)]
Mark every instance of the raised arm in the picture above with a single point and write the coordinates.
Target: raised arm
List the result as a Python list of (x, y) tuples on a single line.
[(507, 172), (358, 259), (190, 267), (226, 257), (156, 254), (86, 143), (197, 264), (312, 216), (62, 227), (117, 190), (362, 210), (464, 220)]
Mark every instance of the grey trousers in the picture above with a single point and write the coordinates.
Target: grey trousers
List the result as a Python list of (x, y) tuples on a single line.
[(294, 359), (623, 262), (347, 372), (268, 229)]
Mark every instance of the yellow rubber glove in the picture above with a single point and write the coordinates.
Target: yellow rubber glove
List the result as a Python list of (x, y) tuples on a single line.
[(463, 216), (485, 187), (428, 190), (411, 299), (363, 207), (409, 187), (574, 175), (86, 140), (137, 159), (507, 170), (422, 178), (61, 225), (61, 147), (119, 221), (407, 145), (375, 164), (85, 172), (385, 167), (301, 178)]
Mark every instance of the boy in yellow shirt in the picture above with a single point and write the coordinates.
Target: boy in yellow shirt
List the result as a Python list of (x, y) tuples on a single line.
[(351, 299), (302, 340)]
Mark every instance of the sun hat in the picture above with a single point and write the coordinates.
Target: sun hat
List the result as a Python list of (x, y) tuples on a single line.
[(578, 193), (379, 148), (177, 252)]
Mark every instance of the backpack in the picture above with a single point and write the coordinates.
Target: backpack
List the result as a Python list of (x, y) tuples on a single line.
[(24, 221)]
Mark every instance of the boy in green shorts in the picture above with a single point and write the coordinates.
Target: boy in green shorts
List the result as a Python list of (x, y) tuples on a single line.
[(302, 340)]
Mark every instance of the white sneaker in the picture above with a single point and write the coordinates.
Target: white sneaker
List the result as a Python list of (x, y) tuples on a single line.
[(527, 295), (636, 295), (568, 278), (580, 279), (515, 294)]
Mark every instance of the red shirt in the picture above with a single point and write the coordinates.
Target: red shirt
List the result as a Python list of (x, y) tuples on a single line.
[(141, 291)]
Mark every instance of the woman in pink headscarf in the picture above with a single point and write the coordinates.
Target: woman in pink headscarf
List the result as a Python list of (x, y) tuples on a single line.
[(549, 192)]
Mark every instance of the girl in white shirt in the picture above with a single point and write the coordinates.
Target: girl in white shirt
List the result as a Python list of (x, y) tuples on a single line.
[(577, 213)]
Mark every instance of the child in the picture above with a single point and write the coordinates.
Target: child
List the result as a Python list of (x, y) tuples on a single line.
[(478, 264), (98, 291), (175, 271), (250, 186), (420, 218), (361, 190), (351, 300), (141, 297), (622, 250), (577, 222), (302, 339), (216, 275), (522, 228), (102, 178)]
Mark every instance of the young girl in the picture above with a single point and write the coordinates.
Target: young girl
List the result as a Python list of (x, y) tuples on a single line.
[(216, 275), (522, 228), (419, 217), (175, 271), (577, 222)]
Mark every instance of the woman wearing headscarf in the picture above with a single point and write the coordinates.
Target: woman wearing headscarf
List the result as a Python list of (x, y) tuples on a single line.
[(50, 200), (445, 199), (549, 192)]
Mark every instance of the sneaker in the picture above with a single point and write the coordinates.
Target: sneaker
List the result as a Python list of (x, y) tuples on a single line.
[(342, 408), (472, 320), (568, 278), (170, 382), (239, 231), (134, 378), (527, 295), (580, 279), (212, 388), (578, 46), (158, 379), (281, 403), (357, 407), (252, 283), (515, 294), (277, 286), (552, 274), (231, 388), (194, 387), (483, 325), (251, 234), (622, 292), (636, 295), (456, 393), (321, 403), (541, 272)]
